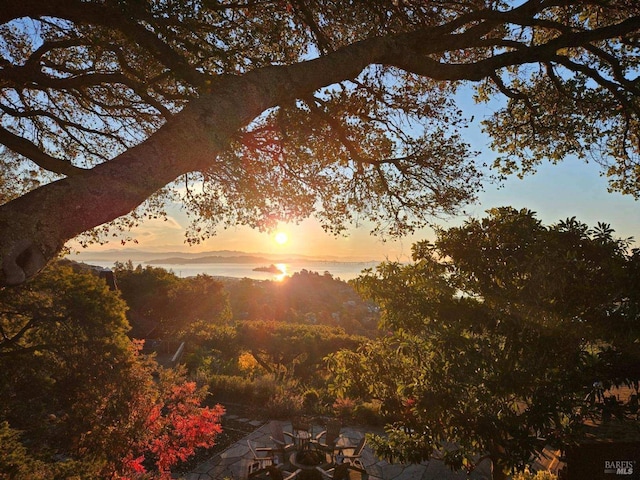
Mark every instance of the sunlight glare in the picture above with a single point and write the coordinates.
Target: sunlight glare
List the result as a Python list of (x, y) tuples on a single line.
[(283, 268), (281, 238)]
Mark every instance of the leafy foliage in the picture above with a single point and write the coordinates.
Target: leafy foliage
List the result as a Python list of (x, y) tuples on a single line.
[(180, 307), (504, 336), (254, 113), (80, 398), (285, 349)]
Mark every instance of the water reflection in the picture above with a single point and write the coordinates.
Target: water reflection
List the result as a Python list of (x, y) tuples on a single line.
[(283, 268)]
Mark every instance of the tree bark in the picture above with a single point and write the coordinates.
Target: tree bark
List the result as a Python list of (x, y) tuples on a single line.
[(35, 226)]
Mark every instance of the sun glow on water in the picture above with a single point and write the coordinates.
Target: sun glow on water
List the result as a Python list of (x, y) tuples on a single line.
[(283, 268)]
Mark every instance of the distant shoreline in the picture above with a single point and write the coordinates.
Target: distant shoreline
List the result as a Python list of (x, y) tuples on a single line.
[(214, 256), (341, 270), (247, 260), (207, 259)]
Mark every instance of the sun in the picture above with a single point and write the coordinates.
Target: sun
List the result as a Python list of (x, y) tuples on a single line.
[(281, 238)]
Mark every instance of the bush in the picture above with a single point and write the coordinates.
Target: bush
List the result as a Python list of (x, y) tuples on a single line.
[(283, 404), (343, 408), (310, 399), (231, 388), (274, 399), (537, 476), (368, 413), (265, 388)]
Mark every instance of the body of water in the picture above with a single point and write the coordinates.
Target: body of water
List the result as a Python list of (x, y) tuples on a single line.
[(343, 270)]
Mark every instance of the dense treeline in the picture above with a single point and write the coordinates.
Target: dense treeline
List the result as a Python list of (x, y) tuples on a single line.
[(171, 304), (501, 337), (167, 304), (251, 340), (79, 400)]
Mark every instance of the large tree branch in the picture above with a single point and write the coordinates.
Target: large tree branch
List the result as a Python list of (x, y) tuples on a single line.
[(421, 63), (89, 13), (35, 226), (31, 151)]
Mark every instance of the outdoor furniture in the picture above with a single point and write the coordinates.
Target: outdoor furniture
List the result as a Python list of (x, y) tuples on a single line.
[(353, 459), (302, 440), (301, 432), (258, 463), (278, 438), (300, 424), (299, 455), (331, 436)]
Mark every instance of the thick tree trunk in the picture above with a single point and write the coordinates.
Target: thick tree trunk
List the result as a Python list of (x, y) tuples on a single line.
[(35, 227)]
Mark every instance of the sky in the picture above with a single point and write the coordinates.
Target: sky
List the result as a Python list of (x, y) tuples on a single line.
[(554, 192)]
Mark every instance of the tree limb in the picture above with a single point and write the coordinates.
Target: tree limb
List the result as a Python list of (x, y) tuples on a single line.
[(36, 225), (31, 151)]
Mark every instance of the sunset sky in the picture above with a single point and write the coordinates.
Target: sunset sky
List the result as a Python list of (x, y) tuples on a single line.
[(555, 192)]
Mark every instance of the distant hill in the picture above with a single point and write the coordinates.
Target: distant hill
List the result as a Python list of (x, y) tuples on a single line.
[(208, 259), (217, 256), (125, 254)]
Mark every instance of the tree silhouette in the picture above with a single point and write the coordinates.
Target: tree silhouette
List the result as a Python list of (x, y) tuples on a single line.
[(255, 112), (505, 336)]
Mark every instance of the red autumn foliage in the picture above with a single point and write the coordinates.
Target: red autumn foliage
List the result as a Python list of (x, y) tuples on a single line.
[(176, 426)]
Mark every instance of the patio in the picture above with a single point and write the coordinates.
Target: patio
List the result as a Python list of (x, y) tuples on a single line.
[(233, 463)]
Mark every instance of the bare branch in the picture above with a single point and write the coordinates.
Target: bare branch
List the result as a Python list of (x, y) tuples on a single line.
[(31, 151)]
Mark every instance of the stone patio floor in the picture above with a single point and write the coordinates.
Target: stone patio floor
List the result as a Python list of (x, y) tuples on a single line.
[(233, 463)]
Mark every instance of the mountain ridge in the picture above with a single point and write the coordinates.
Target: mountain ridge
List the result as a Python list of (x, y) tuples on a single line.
[(212, 256)]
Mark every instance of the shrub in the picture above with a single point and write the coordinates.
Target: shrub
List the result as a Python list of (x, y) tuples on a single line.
[(343, 408), (265, 388), (248, 365), (310, 399), (368, 413), (284, 404), (537, 476), (230, 388), (275, 399)]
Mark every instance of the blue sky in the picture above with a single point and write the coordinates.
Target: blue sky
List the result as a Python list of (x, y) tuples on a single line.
[(555, 192)]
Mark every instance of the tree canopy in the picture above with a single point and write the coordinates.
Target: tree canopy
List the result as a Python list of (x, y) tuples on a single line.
[(284, 348), (505, 336), (79, 400), (254, 112), (174, 306)]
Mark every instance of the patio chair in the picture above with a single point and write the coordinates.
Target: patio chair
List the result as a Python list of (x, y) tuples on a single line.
[(301, 431), (354, 459), (331, 436), (339, 472), (300, 424), (259, 463), (282, 446)]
